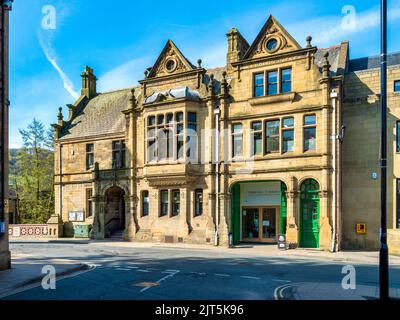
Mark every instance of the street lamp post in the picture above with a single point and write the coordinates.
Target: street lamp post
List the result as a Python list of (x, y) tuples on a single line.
[(6, 5), (383, 252)]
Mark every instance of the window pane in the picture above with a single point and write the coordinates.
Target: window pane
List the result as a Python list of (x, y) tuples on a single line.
[(180, 147), (192, 117), (288, 123), (397, 86), (170, 118), (256, 126), (151, 121), (286, 74), (237, 145), (164, 202), (259, 85), (272, 127), (160, 119), (288, 140), (309, 139), (309, 120), (198, 202), (272, 136), (272, 82), (272, 144), (179, 117), (257, 143), (237, 128), (176, 202), (89, 147), (145, 203), (398, 136), (273, 77), (286, 87)]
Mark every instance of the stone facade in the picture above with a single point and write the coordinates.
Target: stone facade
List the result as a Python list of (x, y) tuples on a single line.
[(5, 255), (361, 154), (274, 113)]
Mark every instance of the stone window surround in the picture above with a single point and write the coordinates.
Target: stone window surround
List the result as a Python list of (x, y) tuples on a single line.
[(175, 158), (264, 154), (279, 82)]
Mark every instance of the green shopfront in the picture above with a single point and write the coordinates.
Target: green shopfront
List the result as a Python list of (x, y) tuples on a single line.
[(258, 211)]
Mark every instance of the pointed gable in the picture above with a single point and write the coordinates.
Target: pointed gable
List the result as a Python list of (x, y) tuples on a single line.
[(272, 39), (170, 61)]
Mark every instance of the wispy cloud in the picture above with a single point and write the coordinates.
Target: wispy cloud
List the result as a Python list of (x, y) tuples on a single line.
[(45, 44), (326, 30), (46, 38), (125, 75)]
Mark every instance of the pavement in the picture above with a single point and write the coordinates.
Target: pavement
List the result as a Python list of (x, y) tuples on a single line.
[(152, 271), (26, 272)]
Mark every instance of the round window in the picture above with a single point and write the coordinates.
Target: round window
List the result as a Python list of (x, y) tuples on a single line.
[(272, 44), (170, 65)]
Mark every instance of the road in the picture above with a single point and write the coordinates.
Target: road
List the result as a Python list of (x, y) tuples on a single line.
[(177, 273)]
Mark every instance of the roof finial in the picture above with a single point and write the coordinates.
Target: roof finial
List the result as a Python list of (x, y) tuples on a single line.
[(211, 85), (146, 73), (60, 117), (199, 63), (309, 39), (133, 98), (326, 67)]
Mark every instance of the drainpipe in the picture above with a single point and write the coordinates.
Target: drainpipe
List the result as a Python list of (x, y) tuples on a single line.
[(334, 138), (60, 172), (217, 133)]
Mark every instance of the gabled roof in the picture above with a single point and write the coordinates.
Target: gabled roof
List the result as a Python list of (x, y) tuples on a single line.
[(100, 116), (271, 26), (170, 52)]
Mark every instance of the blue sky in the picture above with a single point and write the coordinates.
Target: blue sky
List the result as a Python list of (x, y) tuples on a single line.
[(119, 39)]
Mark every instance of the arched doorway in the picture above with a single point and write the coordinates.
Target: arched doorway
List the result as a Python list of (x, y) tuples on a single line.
[(114, 218), (309, 214)]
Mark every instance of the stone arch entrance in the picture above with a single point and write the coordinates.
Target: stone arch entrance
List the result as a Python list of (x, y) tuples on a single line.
[(114, 217)]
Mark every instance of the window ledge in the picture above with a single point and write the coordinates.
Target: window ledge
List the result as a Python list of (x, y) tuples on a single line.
[(285, 97)]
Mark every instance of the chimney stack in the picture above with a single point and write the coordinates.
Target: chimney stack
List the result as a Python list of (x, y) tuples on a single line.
[(88, 83)]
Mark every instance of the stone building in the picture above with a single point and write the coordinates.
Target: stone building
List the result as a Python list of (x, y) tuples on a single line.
[(5, 255), (250, 150), (361, 154)]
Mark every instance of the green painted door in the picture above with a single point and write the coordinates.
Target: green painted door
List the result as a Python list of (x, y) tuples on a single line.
[(235, 221), (309, 214)]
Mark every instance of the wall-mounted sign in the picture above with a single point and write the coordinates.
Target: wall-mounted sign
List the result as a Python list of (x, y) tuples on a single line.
[(76, 216), (361, 228)]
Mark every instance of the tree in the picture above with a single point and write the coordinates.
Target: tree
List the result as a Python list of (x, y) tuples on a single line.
[(33, 174)]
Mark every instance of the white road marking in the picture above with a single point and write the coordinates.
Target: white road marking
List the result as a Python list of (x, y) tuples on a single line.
[(170, 275), (249, 277), (279, 280), (141, 270), (123, 269), (222, 275)]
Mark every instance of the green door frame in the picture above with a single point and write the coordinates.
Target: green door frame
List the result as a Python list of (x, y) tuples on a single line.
[(235, 208), (309, 198)]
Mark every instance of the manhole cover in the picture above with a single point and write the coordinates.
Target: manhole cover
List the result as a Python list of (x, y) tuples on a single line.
[(146, 284)]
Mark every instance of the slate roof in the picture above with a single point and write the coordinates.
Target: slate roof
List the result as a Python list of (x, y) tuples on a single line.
[(373, 62), (101, 115), (333, 58)]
